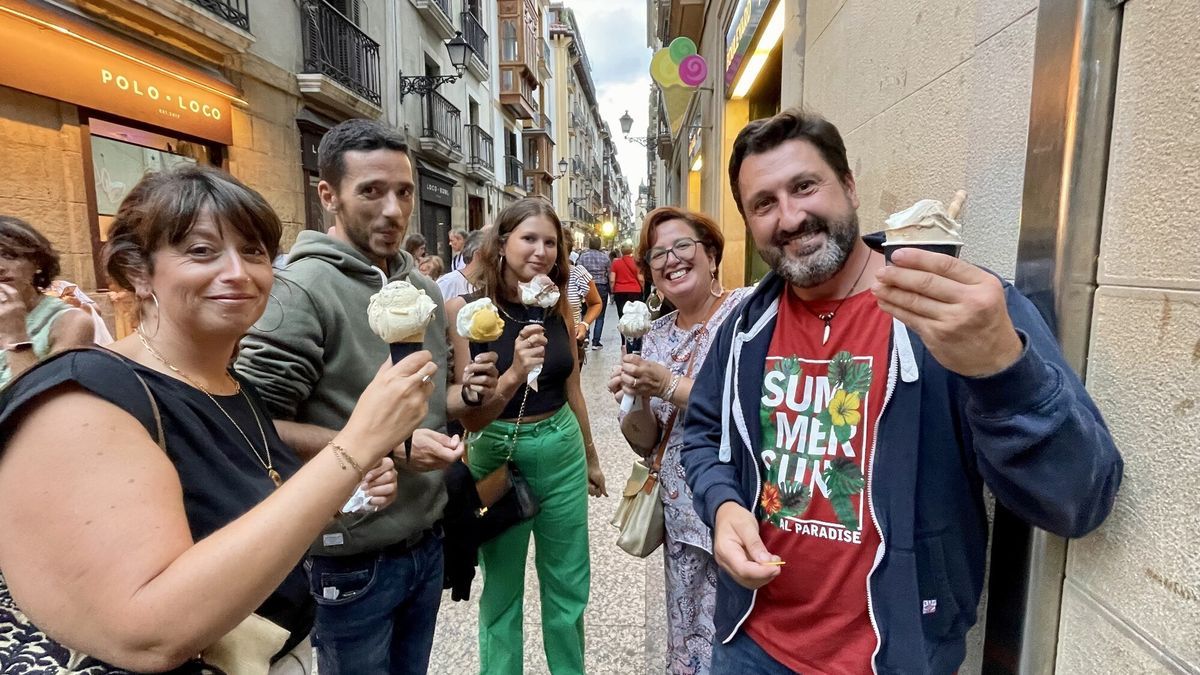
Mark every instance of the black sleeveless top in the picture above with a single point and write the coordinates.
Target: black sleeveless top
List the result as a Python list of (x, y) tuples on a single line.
[(552, 382), (221, 478)]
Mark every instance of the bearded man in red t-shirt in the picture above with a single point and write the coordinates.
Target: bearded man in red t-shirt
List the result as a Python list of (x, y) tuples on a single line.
[(849, 414)]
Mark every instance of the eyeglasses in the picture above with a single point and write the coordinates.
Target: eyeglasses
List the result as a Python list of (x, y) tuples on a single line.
[(684, 250)]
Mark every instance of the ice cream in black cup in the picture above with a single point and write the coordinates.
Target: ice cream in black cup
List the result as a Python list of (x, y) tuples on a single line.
[(479, 322), (927, 225), (945, 249)]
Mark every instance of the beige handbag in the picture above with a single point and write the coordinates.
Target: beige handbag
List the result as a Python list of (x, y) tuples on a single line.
[(247, 649), (639, 516)]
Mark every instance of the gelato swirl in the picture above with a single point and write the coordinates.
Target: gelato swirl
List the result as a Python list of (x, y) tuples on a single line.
[(539, 291), (926, 222), (478, 321), (635, 322), (399, 312)]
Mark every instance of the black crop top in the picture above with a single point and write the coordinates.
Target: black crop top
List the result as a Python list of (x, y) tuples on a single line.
[(220, 476), (558, 366)]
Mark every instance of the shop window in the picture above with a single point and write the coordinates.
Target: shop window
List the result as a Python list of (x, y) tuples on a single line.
[(120, 155)]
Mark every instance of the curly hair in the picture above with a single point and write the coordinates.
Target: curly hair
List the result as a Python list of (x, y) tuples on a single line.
[(23, 240)]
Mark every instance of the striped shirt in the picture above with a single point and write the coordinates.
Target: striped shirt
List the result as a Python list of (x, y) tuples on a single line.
[(577, 289)]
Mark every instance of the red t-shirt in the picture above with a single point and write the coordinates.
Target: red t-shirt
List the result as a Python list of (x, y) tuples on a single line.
[(625, 270), (819, 410)]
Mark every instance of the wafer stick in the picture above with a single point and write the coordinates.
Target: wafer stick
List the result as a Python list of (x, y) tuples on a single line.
[(956, 204), (776, 563)]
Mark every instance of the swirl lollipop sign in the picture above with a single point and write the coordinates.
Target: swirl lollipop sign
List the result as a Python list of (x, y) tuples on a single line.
[(678, 70)]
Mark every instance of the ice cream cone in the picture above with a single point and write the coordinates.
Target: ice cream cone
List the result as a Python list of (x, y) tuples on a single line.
[(402, 350)]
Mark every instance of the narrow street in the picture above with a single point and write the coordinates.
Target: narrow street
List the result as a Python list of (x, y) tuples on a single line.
[(625, 619)]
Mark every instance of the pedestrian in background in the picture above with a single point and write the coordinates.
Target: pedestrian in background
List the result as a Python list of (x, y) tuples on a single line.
[(456, 239), (625, 279), (183, 510), (414, 245), (599, 265), (33, 325), (546, 434), (681, 251), (431, 266), (457, 282), (582, 292), (376, 577)]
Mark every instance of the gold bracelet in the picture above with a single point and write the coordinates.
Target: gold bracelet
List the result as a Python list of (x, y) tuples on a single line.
[(340, 453)]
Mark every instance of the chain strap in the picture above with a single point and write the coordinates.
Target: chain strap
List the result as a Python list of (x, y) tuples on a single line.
[(512, 440)]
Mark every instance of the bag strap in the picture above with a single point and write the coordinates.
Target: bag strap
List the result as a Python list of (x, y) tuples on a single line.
[(160, 437), (666, 435)]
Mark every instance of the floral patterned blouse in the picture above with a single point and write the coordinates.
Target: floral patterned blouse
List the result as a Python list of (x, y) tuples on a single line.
[(672, 346)]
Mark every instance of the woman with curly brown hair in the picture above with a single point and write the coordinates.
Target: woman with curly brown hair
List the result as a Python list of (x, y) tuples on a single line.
[(32, 325)]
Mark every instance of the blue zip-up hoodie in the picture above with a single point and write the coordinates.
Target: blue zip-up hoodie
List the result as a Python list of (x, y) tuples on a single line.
[(1030, 433)]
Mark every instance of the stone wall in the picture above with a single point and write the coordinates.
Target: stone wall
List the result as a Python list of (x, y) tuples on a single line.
[(1132, 596), (43, 180), (266, 148)]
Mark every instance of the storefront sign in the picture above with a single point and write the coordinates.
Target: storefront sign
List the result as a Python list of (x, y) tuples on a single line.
[(61, 58), (740, 34), (436, 190), (310, 141)]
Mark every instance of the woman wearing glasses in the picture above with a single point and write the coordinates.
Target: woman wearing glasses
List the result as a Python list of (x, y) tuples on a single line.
[(681, 252)]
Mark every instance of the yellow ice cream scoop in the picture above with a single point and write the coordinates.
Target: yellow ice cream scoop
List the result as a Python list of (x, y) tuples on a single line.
[(478, 321)]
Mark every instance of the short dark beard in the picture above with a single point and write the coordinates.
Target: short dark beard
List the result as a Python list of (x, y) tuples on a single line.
[(824, 264)]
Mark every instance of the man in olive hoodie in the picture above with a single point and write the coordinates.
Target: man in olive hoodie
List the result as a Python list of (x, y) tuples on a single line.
[(376, 577)]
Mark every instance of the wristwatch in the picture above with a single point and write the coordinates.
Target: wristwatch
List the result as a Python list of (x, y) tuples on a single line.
[(19, 347)]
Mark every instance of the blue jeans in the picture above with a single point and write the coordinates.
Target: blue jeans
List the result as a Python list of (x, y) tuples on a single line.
[(743, 656), (598, 327), (376, 612)]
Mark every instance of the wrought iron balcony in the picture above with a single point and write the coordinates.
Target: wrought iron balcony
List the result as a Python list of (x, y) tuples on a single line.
[(340, 50), (236, 12), (475, 36), (443, 121), (513, 171), (481, 149)]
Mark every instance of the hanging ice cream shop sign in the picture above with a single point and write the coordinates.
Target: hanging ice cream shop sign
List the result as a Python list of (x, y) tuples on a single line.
[(63, 58)]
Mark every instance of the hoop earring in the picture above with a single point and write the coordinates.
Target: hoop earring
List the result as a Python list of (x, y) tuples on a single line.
[(655, 301), (270, 297), (157, 316), (720, 291)]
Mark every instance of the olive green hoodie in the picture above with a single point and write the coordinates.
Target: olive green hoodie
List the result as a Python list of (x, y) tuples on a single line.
[(311, 363)]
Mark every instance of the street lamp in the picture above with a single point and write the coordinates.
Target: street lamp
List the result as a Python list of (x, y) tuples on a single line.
[(562, 169), (626, 126), (421, 85), (607, 229)]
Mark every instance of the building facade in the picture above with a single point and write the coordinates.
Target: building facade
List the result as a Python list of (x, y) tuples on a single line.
[(1070, 124), (95, 93)]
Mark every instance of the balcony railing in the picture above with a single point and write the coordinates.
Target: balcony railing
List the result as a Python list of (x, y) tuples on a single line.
[(235, 12), (442, 120), (481, 147), (512, 171), (336, 48), (475, 36)]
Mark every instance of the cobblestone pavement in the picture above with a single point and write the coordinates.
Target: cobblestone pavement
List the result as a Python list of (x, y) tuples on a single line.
[(626, 619)]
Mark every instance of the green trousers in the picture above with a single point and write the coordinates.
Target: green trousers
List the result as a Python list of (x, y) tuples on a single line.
[(550, 455)]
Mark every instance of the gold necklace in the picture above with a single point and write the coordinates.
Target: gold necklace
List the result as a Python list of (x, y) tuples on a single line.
[(267, 463)]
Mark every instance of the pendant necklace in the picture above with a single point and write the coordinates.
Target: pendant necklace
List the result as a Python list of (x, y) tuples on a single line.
[(827, 317), (266, 464)]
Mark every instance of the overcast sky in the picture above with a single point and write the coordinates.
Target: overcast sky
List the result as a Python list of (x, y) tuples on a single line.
[(614, 35)]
